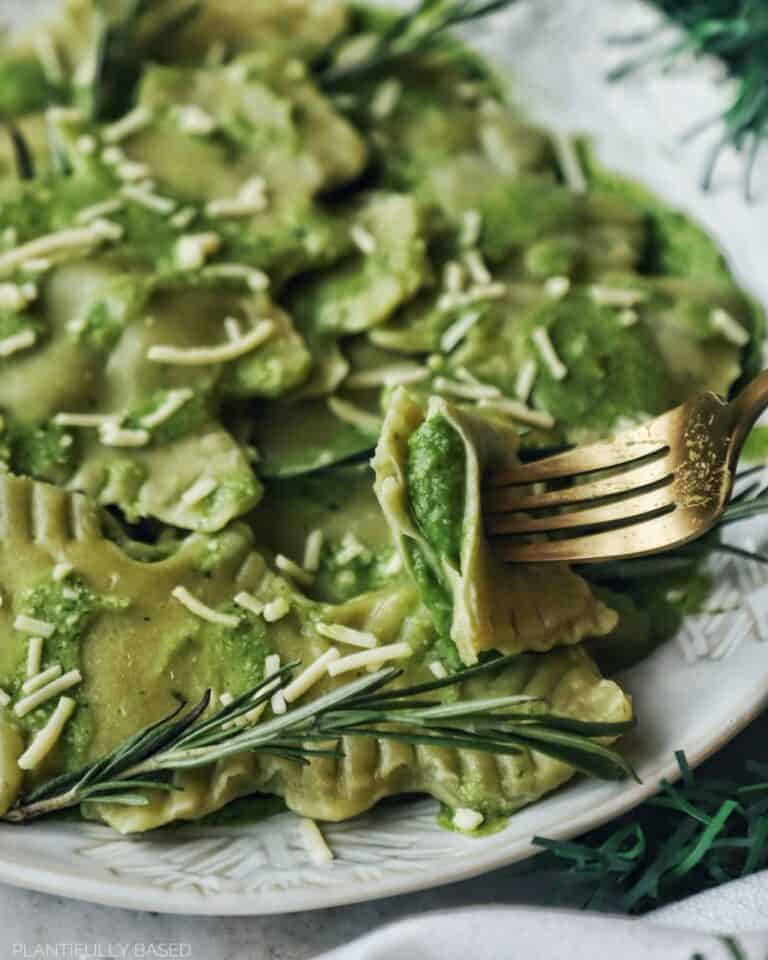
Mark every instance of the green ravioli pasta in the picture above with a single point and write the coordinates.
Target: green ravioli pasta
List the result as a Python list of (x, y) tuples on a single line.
[(429, 471), (114, 618)]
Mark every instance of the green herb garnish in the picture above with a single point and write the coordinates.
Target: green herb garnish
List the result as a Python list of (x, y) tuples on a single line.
[(692, 835), (736, 31), (367, 707), (409, 33)]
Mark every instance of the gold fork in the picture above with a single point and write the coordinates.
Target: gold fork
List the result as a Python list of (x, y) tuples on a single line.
[(648, 490)]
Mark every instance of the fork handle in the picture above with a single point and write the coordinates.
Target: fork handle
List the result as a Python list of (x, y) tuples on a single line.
[(747, 407)]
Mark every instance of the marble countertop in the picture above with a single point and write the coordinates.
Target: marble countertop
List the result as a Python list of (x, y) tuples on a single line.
[(31, 921)]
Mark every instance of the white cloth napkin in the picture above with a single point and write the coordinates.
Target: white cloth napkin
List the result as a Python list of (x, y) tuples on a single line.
[(491, 934), (509, 933)]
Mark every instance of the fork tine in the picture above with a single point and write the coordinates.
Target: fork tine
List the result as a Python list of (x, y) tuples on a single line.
[(508, 499), (624, 449), (622, 511), (664, 532)]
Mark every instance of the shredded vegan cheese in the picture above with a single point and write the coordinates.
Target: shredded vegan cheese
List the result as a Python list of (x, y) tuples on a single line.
[(454, 335), (72, 241), (142, 196), (61, 571), (112, 435), (369, 658), (471, 228), (317, 849), (251, 200), (127, 126), (41, 628), (279, 706), (389, 376), (519, 411), (355, 638), (733, 331), (478, 271), (4, 698), (250, 603), (453, 277), (46, 738), (34, 656), (201, 610), (526, 378), (202, 356), (98, 420), (466, 391), (17, 342), (465, 819), (276, 609), (193, 249), (385, 98), (557, 287), (175, 400), (616, 296), (354, 416), (438, 670), (15, 297), (44, 694), (41, 679), (99, 210), (293, 570), (272, 664), (570, 165), (194, 120), (363, 239), (309, 677), (199, 490), (548, 354), (313, 547)]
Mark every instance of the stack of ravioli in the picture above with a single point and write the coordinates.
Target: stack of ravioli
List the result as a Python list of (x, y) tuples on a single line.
[(216, 303)]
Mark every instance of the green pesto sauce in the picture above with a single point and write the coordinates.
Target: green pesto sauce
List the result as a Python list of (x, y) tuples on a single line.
[(72, 607), (240, 652), (436, 479), (439, 602), (613, 371), (340, 578), (23, 87), (41, 450), (188, 418)]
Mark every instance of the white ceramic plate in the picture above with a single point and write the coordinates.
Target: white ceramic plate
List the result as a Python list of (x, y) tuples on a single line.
[(558, 57)]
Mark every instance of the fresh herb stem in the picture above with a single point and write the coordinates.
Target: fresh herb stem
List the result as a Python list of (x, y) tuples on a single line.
[(366, 707), (737, 33), (417, 30)]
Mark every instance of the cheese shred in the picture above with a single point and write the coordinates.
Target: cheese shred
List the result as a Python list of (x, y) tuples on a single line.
[(202, 356), (201, 610), (309, 677), (46, 738), (44, 694), (317, 849), (369, 658), (355, 638)]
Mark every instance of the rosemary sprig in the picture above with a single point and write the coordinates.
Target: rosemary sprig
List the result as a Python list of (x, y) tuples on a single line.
[(736, 31), (366, 707), (120, 50), (413, 31), (22, 152)]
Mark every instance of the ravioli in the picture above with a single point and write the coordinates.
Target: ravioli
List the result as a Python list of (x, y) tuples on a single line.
[(429, 470), (228, 277), (138, 649)]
